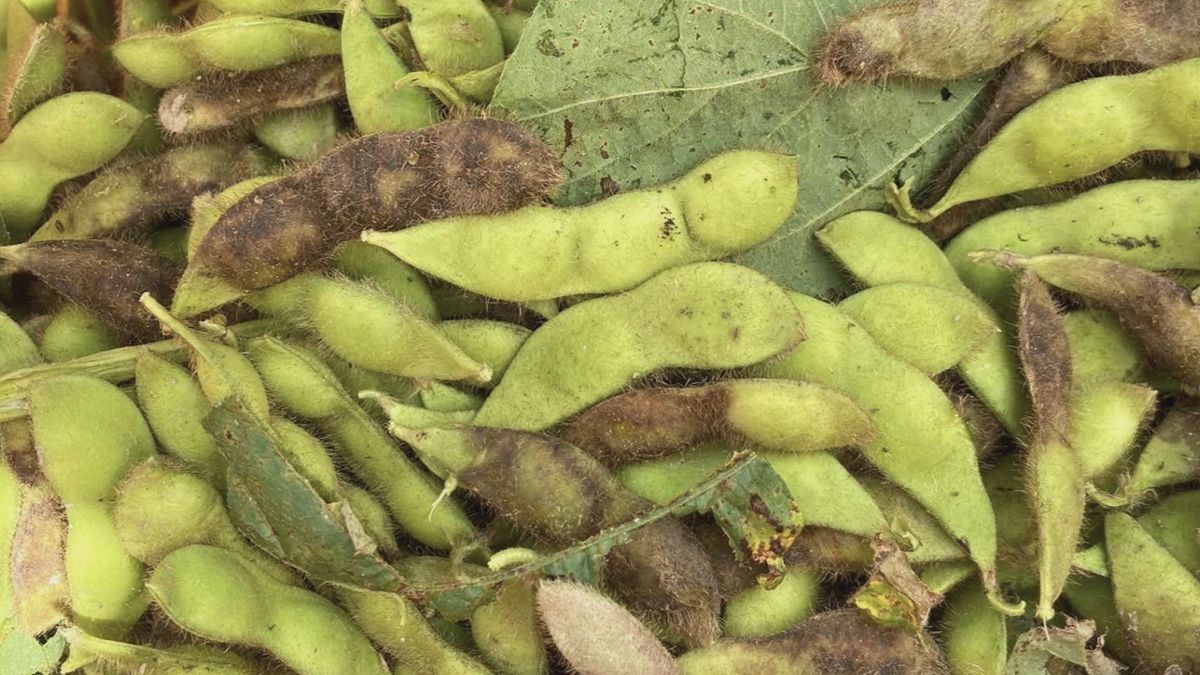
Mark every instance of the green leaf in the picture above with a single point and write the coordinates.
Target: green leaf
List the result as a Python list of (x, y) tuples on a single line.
[(747, 493), (23, 655), (314, 536), (635, 93)]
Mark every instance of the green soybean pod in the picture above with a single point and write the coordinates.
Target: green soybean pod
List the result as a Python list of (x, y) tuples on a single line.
[(511, 22), (975, 635), (1101, 350), (1157, 597), (492, 343), (1172, 455), (877, 249), (371, 329), (507, 631), (308, 456), (760, 612), (165, 59), (139, 16), (454, 36), (302, 135), (374, 516), (400, 629), (372, 69), (1093, 597), (63, 138), (825, 493), (111, 656), (159, 508), (35, 71), (725, 205), (218, 596), (304, 385), (362, 262), (934, 460), (380, 8), (442, 398), (705, 315), (17, 350), (1141, 222), (930, 542), (932, 329), (1075, 132), (1173, 523), (1106, 419), (105, 582), (88, 435), (175, 406), (73, 332)]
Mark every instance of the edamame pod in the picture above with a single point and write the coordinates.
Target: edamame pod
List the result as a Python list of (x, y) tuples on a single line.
[(372, 69), (303, 134), (35, 71), (976, 635), (1172, 455), (725, 205), (705, 315), (175, 406), (771, 414), (73, 332)]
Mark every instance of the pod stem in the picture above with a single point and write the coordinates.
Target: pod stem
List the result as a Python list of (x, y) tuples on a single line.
[(899, 198)]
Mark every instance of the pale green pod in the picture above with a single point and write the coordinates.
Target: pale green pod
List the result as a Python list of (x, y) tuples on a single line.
[(975, 635), (912, 524), (10, 521), (921, 444), (825, 493), (63, 138), (1141, 222), (1106, 419), (508, 633), (444, 398), (725, 205), (301, 135), (705, 315), (174, 406), (88, 435), (416, 417), (1076, 131), (159, 509), (374, 516), (165, 59), (372, 69), (759, 612), (1056, 492), (362, 262), (73, 332), (218, 596), (105, 582), (877, 249), (1100, 348), (222, 370), (1174, 523), (135, 196), (17, 350), (369, 328), (380, 8), (110, 656), (308, 456), (454, 36), (35, 71), (944, 576), (930, 328), (1172, 455), (304, 385), (399, 627), (492, 343), (511, 22), (1157, 597)]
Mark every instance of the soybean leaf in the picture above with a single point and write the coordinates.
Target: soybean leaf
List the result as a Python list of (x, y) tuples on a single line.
[(1037, 649), (24, 655), (635, 93), (732, 491), (290, 517)]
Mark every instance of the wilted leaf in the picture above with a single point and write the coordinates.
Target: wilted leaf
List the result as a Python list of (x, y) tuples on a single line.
[(635, 93), (1038, 648), (894, 596), (582, 562)]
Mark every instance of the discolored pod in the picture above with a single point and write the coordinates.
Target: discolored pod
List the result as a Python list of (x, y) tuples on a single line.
[(289, 225), (841, 641), (561, 495), (704, 315), (771, 414), (135, 196), (1145, 32), (106, 277)]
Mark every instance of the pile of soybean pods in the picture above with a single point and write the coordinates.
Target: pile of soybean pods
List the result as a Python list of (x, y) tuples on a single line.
[(301, 371)]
